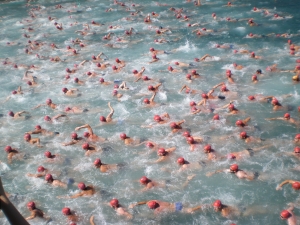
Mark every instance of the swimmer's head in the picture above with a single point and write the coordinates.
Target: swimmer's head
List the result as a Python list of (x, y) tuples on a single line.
[(259, 71), (189, 25), (114, 203), (292, 52), (216, 117), (186, 134), (145, 78), (152, 204), (74, 136), (161, 152), (207, 148), (274, 102), (67, 109), (48, 154), (297, 137), (223, 88), (181, 161), (196, 60), (14, 92), (123, 136), (250, 35), (81, 186), (243, 135), (146, 101), (93, 22), (114, 67), (296, 185), (228, 3), (115, 92), (188, 76), (101, 80), (285, 214), (149, 144), (217, 205), (228, 19), (231, 156), (170, 68), (117, 60), (98, 65), (102, 119), (234, 168), (86, 134), (151, 49), (157, 118), (176, 63), (41, 169), (64, 90), (48, 177), (254, 9), (67, 77), (194, 72), (173, 125), (192, 103), (254, 78), (89, 73), (47, 118), (251, 97), (11, 113), (287, 116), (204, 96), (31, 205), (135, 71), (231, 107), (252, 54), (74, 51), (235, 51), (27, 137), (250, 21), (239, 123), (29, 83), (144, 180), (85, 146), (66, 211), (49, 101), (213, 15), (190, 140), (8, 149), (97, 162), (292, 48), (94, 57), (116, 86)]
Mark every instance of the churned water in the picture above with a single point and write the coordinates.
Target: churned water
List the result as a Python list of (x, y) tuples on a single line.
[(131, 116)]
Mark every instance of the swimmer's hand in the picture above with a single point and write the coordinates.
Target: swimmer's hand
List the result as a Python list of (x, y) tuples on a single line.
[(209, 174), (131, 206), (278, 188)]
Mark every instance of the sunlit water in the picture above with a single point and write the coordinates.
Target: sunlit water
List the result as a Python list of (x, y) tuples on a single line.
[(130, 112)]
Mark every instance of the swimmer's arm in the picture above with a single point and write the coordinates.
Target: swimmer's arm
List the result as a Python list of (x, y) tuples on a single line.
[(204, 57), (171, 149), (160, 159), (202, 102), (220, 84), (153, 96), (32, 216), (136, 204), (20, 113), (212, 173), (35, 175), (197, 111), (58, 116), (82, 63), (277, 118), (198, 139), (183, 87), (138, 79), (77, 195), (111, 111), (39, 106), (284, 183), (268, 97), (69, 143), (180, 122)]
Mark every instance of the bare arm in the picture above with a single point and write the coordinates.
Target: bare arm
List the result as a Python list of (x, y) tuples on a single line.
[(153, 96), (111, 111), (138, 203), (284, 183), (58, 116), (20, 113)]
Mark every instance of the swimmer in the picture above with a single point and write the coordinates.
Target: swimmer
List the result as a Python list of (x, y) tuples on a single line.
[(164, 154), (243, 123), (226, 211), (48, 103), (160, 120), (297, 139), (147, 19), (17, 114), (289, 215), (163, 207), (49, 119), (245, 153), (42, 171), (103, 82), (121, 63), (295, 184), (77, 81), (51, 157), (90, 149), (54, 182), (172, 70), (188, 90), (11, 152), (70, 215), (237, 67), (234, 168), (229, 76), (27, 138), (192, 140), (108, 119), (90, 134), (34, 212), (232, 109), (207, 96), (96, 24), (244, 136), (156, 52), (176, 126), (276, 104), (150, 102), (85, 190), (75, 140), (128, 140), (185, 165), (139, 73), (70, 92), (145, 181), (116, 69), (286, 117), (122, 86), (252, 23), (252, 55), (212, 155), (154, 88), (105, 167), (116, 94), (154, 59), (98, 57), (114, 203)]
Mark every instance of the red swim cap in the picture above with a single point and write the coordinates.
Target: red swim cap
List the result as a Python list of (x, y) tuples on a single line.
[(146, 101), (14, 92), (101, 80), (66, 211), (254, 9), (192, 103), (253, 54), (48, 177), (224, 88), (251, 97), (85, 146), (123, 136), (64, 90), (234, 168), (190, 140), (216, 117), (88, 73), (173, 125), (48, 101), (274, 101), (151, 49), (145, 78), (204, 96), (193, 72), (296, 185), (74, 135), (29, 83), (231, 156), (254, 77), (31, 205), (11, 113), (117, 60), (180, 161), (38, 127), (287, 116), (186, 134), (251, 35), (40, 169), (217, 204), (48, 154), (98, 65), (196, 60), (144, 180), (76, 80), (114, 203), (149, 145), (213, 15), (231, 107), (204, 29), (243, 135), (207, 148), (170, 68), (297, 149), (188, 76), (152, 204), (115, 92), (157, 118), (228, 71), (102, 119), (150, 88), (27, 137), (97, 162), (47, 118), (81, 186), (161, 152), (134, 71), (285, 214), (297, 136), (8, 148), (114, 67), (235, 51), (240, 123)]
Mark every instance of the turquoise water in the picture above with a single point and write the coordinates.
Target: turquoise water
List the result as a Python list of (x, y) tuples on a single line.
[(130, 113)]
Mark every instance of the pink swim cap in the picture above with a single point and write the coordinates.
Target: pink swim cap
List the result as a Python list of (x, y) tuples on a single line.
[(74, 135), (123, 136), (274, 101), (188, 76), (170, 68), (86, 134), (240, 123), (190, 140), (297, 136), (40, 169), (173, 125), (27, 137), (47, 118), (144, 180), (97, 162), (146, 101), (151, 49), (48, 177), (251, 97), (192, 103), (149, 144), (217, 204), (243, 135), (29, 83), (161, 152), (297, 149), (117, 60), (14, 92), (114, 67), (234, 168), (66, 211), (296, 185), (85, 146), (48, 101), (204, 96), (114, 203), (152, 204), (213, 15), (216, 117), (157, 118), (64, 90), (186, 134), (102, 119), (31, 205), (207, 148), (11, 113), (145, 78), (81, 186), (101, 80), (180, 161), (48, 154), (8, 148), (287, 116), (285, 214), (134, 71)]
